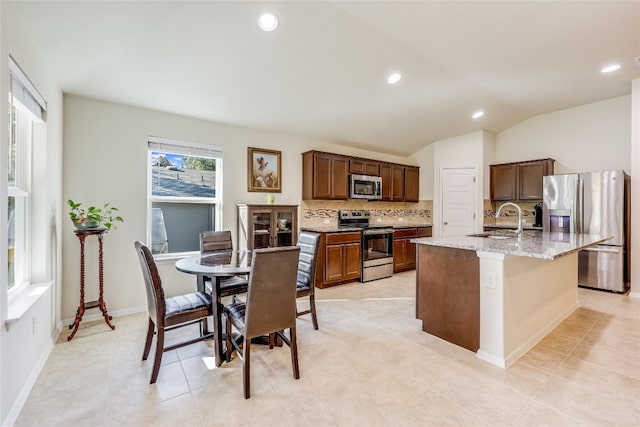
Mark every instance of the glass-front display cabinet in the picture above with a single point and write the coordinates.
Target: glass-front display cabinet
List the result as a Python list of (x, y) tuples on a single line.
[(267, 226)]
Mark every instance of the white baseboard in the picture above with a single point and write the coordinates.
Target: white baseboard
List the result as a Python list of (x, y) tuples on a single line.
[(634, 294)]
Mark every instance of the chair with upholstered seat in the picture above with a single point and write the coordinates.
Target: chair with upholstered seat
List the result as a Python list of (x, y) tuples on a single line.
[(270, 307), (216, 242), (166, 314), (306, 282)]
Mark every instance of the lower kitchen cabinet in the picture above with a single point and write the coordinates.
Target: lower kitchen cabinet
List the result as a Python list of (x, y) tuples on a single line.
[(339, 258), (404, 252)]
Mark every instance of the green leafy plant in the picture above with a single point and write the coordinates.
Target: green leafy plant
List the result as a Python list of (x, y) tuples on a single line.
[(106, 215)]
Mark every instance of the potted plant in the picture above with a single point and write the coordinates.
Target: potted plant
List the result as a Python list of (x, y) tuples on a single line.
[(92, 216)]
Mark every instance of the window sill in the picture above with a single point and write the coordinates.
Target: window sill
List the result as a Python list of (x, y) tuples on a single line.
[(23, 301), (172, 258)]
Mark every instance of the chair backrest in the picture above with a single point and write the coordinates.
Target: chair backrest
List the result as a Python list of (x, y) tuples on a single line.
[(153, 284), (308, 243), (271, 296), (212, 241)]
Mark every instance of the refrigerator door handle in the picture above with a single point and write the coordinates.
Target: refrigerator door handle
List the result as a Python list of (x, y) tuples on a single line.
[(580, 201), (604, 250)]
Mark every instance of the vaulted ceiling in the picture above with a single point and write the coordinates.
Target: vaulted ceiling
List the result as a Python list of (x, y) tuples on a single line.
[(322, 73)]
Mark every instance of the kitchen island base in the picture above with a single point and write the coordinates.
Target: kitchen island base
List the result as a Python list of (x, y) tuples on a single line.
[(496, 305)]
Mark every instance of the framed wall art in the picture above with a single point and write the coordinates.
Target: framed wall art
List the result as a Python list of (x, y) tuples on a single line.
[(264, 171)]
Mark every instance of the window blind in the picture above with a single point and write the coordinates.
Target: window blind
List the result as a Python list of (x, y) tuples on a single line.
[(25, 93), (176, 147)]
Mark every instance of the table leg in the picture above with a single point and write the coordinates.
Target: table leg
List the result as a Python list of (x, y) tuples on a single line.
[(217, 320)]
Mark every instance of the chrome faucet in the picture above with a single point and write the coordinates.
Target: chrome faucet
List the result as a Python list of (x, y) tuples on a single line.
[(519, 230)]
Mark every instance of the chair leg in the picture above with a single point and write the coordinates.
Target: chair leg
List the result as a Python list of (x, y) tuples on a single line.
[(229, 345), (312, 306), (147, 344), (293, 343), (204, 327), (158, 357), (246, 367)]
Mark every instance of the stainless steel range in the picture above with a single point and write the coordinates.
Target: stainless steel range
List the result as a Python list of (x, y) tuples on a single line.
[(377, 245)]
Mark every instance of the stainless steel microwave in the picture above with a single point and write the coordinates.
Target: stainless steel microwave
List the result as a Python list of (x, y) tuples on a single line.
[(365, 187)]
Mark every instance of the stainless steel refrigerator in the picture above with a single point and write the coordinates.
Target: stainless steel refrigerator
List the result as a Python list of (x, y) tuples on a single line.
[(592, 203)]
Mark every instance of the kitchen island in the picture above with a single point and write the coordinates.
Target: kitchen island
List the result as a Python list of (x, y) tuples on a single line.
[(495, 293)]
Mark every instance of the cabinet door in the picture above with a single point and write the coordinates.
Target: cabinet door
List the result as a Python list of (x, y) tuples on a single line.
[(260, 228), (530, 178), (385, 174), (397, 182), (340, 178), (363, 167), (398, 254), (410, 255), (411, 184), (504, 181), (322, 176), (353, 260), (285, 224), (334, 263)]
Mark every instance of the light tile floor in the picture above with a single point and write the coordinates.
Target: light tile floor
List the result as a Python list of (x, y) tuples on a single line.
[(369, 364)]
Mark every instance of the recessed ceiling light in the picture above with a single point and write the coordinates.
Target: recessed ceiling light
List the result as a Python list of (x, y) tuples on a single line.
[(268, 22), (610, 68), (394, 78), (478, 114)]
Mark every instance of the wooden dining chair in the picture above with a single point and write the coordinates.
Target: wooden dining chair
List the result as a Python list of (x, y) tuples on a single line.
[(270, 307), (215, 242), (306, 281), (166, 314)]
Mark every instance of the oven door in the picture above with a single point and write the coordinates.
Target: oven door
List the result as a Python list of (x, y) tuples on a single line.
[(377, 254)]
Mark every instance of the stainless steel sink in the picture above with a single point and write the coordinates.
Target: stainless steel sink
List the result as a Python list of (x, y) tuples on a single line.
[(493, 235)]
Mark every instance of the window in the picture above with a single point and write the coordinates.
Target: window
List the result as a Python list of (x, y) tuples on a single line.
[(185, 185), (26, 108)]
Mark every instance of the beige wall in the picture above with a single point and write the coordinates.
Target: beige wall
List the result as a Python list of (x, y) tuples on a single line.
[(635, 189), (105, 155), (587, 138), (24, 348)]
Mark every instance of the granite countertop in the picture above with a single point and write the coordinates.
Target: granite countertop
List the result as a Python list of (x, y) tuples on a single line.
[(532, 244), (336, 229), (513, 226)]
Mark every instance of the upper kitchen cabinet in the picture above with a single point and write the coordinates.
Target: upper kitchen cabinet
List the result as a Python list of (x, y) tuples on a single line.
[(530, 178), (400, 183), (364, 167), (392, 182), (519, 181), (411, 184), (325, 176)]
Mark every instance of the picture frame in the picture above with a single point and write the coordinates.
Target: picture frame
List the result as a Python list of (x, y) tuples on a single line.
[(264, 170)]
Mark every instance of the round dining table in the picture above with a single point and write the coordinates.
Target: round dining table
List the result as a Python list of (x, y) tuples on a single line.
[(216, 265)]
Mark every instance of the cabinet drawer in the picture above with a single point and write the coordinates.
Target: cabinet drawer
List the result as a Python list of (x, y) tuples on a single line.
[(405, 233), (336, 238), (425, 232)]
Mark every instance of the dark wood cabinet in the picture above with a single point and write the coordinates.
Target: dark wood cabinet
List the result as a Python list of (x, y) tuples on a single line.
[(393, 182), (520, 181), (530, 178), (325, 176), (411, 184), (339, 259), (404, 252), (503, 182), (364, 167), (266, 226)]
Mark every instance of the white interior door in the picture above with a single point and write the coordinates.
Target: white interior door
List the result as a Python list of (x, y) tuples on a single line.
[(459, 190)]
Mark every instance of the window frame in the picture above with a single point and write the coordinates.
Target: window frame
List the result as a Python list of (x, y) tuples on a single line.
[(20, 135), (158, 144)]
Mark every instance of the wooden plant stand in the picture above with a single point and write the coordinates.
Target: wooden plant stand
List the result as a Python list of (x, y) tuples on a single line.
[(82, 235)]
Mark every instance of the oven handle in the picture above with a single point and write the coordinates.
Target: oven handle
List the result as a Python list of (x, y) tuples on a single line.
[(380, 231)]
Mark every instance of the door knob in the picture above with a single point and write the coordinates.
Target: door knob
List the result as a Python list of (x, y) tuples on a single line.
[(446, 223)]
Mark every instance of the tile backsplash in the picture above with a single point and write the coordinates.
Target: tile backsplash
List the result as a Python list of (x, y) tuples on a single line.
[(316, 213), (509, 215)]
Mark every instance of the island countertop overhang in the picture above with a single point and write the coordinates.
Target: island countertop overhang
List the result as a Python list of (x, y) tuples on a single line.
[(532, 244)]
